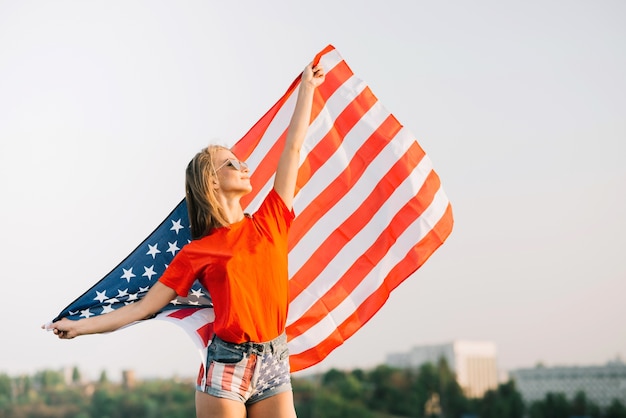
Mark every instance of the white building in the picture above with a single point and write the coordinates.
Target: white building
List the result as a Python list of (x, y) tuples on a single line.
[(601, 384), (473, 362)]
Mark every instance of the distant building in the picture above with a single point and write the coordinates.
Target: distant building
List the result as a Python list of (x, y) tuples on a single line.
[(601, 384), (473, 362), (128, 379)]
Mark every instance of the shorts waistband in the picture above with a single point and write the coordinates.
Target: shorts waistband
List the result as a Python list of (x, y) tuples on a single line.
[(255, 348)]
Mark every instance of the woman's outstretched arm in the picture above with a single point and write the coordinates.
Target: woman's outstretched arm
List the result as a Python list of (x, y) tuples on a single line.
[(287, 170), (157, 297)]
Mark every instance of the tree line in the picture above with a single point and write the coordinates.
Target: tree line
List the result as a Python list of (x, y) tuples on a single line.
[(383, 392)]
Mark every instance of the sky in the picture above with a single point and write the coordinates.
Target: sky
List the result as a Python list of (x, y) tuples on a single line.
[(521, 106)]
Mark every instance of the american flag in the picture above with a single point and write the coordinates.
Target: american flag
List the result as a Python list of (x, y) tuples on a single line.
[(370, 211)]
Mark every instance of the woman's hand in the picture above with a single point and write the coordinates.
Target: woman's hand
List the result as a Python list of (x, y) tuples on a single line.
[(313, 75), (157, 297), (65, 328)]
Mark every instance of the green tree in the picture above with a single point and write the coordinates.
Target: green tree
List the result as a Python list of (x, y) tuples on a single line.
[(76, 375), (554, 405), (332, 405), (48, 379), (103, 404), (24, 388), (439, 382), (505, 401), (581, 406), (6, 394), (452, 400), (345, 384), (103, 380), (391, 390), (6, 386), (615, 410)]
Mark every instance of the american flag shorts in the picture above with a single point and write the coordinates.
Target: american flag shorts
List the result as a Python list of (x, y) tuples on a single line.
[(246, 372)]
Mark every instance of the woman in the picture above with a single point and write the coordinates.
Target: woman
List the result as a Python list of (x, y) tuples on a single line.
[(242, 261)]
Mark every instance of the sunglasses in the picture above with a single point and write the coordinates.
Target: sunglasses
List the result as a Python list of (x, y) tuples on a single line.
[(236, 164)]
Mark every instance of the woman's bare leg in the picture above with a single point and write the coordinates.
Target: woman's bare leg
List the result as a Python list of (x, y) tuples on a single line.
[(208, 406), (277, 406)]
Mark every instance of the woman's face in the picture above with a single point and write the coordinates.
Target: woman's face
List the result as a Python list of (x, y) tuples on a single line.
[(233, 176)]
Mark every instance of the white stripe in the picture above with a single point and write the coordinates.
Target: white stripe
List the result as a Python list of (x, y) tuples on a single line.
[(338, 162), (318, 129), (191, 324), (334, 106), (217, 375), (330, 60), (281, 120), (328, 324), (358, 244), (336, 215), (273, 131), (238, 372)]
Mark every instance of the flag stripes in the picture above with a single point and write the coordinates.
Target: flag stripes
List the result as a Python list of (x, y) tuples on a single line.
[(370, 211), (196, 322), (367, 202)]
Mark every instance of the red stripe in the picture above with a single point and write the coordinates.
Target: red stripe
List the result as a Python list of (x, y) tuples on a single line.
[(209, 373), (227, 376), (344, 181), (369, 259), (316, 60), (267, 166), (200, 375), (356, 221), (246, 379), (246, 145), (206, 332), (182, 313), (413, 260), (333, 140)]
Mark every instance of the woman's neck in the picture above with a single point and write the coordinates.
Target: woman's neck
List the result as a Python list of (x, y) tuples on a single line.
[(232, 210)]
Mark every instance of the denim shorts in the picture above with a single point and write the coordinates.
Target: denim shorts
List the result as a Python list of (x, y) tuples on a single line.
[(246, 372)]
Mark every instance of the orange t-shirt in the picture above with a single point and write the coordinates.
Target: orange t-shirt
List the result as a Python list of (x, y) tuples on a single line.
[(244, 268)]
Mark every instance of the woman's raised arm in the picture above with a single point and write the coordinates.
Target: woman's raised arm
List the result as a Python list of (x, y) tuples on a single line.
[(287, 170)]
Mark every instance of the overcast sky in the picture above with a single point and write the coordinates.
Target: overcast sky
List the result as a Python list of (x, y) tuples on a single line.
[(521, 107)]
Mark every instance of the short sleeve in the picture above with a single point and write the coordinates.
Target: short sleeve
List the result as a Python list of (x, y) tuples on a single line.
[(179, 275), (273, 208)]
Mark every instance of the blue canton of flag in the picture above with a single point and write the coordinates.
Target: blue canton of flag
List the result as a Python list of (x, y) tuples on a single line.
[(135, 275)]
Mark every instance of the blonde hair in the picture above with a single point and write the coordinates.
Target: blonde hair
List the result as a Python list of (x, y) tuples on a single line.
[(204, 209)]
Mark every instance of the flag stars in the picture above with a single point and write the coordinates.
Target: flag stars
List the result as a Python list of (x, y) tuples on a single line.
[(121, 293), (128, 274), (101, 296), (197, 293), (153, 250), (106, 309), (86, 313), (149, 272), (173, 247), (176, 226)]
